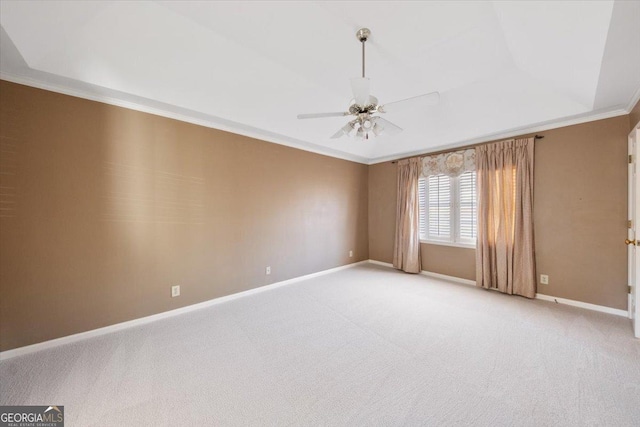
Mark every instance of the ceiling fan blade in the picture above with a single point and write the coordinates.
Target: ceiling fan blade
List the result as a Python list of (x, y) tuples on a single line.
[(361, 90), (388, 128), (344, 130), (414, 102), (338, 134), (321, 115)]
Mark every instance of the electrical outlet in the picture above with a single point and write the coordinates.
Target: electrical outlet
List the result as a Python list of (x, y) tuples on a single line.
[(350, 254), (175, 291), (268, 270), (544, 279)]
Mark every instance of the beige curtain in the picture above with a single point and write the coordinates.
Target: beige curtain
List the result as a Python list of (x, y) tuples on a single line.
[(505, 257), (406, 253)]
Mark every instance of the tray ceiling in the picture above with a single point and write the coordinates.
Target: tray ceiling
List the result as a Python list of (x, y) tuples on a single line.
[(502, 68)]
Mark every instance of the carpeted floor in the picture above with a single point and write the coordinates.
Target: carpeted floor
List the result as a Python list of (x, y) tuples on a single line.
[(363, 346)]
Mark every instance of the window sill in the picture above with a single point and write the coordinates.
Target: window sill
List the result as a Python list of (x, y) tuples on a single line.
[(453, 244)]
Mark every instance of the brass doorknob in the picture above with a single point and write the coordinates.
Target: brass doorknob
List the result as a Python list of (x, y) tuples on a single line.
[(630, 242)]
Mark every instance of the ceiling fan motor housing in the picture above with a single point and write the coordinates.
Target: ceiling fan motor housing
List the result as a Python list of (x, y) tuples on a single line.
[(369, 108)]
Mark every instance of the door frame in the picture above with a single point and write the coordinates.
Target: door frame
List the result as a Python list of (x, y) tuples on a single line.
[(633, 251)]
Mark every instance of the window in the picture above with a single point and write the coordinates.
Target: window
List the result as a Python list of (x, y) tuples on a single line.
[(448, 208)]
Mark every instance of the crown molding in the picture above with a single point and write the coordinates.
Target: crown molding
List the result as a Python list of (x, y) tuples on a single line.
[(115, 98), (511, 133), (144, 105), (633, 101)]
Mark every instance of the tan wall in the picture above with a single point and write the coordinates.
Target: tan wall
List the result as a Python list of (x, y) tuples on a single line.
[(382, 211), (580, 211), (452, 261), (449, 260), (634, 116), (105, 208), (580, 215)]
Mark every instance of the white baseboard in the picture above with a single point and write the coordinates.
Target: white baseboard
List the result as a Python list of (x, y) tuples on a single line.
[(588, 306), (148, 319), (8, 354), (384, 264), (449, 278), (581, 304), (430, 274)]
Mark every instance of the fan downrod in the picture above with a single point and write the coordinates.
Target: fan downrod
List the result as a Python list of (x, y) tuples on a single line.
[(362, 35)]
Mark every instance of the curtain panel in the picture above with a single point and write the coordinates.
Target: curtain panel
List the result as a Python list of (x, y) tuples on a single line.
[(406, 253), (505, 255)]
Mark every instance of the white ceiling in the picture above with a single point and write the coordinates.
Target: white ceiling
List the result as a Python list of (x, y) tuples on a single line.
[(502, 68)]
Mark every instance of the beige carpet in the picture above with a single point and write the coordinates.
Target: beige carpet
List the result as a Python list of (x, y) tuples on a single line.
[(364, 346)]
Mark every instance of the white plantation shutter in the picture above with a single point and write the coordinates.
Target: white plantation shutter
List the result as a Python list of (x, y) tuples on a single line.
[(467, 206), (439, 207), (422, 201), (448, 208)]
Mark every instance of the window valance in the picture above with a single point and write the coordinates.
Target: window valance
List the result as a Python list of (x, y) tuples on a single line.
[(450, 164)]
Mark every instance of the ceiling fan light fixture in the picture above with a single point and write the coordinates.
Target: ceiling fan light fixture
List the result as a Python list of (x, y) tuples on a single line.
[(377, 129), (348, 130)]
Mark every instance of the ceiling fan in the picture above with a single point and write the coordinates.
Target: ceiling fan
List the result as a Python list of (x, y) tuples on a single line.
[(364, 106)]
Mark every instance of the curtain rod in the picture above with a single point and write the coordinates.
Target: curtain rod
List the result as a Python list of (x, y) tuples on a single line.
[(449, 150)]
